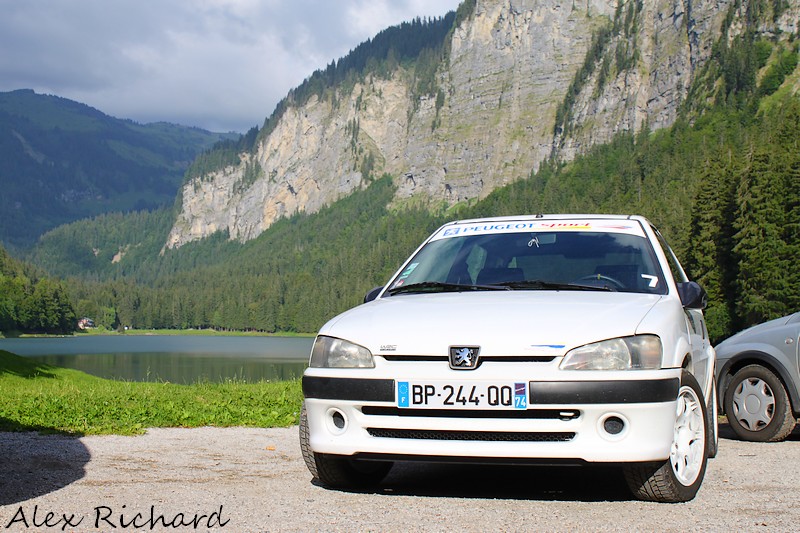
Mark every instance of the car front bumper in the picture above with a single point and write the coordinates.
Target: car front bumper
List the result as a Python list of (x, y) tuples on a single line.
[(610, 417)]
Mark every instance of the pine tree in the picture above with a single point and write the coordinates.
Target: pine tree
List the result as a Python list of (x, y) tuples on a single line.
[(760, 246), (708, 259)]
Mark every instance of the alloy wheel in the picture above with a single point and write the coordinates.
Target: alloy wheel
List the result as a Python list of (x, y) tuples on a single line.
[(688, 445)]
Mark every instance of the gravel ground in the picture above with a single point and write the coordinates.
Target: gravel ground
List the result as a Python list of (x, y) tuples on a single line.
[(244, 479)]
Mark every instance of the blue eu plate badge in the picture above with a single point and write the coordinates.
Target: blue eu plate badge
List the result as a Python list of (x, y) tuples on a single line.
[(402, 394), (520, 396)]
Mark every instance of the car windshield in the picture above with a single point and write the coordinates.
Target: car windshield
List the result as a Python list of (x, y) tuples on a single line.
[(550, 260)]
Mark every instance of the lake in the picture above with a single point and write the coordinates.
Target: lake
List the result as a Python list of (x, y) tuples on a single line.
[(175, 358)]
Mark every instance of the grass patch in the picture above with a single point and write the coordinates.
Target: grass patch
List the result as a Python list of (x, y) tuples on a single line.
[(37, 397)]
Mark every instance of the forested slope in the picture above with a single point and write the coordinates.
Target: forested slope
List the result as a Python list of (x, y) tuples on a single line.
[(62, 161), (31, 302), (291, 278)]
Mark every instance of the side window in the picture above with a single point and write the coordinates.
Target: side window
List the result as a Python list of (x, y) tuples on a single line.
[(674, 266)]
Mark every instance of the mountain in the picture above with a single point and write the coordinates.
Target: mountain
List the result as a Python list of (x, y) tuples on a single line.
[(62, 161), (721, 179), (493, 91)]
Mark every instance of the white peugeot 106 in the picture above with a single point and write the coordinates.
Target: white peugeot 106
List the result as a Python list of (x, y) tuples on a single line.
[(521, 340)]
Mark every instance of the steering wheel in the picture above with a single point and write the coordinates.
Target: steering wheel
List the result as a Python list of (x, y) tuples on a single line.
[(617, 284)]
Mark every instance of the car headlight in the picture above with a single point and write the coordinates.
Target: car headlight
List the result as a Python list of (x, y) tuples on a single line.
[(640, 352), (329, 352)]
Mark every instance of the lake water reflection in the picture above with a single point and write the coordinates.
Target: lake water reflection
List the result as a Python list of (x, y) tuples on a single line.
[(177, 359)]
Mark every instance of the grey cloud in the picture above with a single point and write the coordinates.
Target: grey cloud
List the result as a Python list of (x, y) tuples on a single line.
[(218, 64)]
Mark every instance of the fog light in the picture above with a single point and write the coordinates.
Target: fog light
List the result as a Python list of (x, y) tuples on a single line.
[(336, 421), (613, 425)]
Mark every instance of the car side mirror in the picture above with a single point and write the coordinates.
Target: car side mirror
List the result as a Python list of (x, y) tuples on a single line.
[(371, 295), (692, 295)]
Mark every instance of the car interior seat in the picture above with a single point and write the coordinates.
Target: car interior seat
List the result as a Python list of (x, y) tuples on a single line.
[(628, 275)]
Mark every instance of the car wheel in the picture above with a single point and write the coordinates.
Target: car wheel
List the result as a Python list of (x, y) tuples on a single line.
[(339, 472), (758, 406), (679, 477), (712, 409)]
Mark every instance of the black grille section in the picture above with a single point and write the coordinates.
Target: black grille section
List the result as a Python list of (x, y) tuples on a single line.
[(520, 359), (355, 389), (415, 358), (550, 414), (493, 436), (483, 358)]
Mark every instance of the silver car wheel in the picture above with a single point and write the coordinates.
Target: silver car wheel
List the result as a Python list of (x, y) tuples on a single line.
[(753, 404), (689, 443)]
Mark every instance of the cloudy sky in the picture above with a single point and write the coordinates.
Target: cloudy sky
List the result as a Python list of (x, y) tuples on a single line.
[(222, 65)]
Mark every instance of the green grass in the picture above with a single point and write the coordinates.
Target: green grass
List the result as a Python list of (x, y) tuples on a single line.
[(36, 397)]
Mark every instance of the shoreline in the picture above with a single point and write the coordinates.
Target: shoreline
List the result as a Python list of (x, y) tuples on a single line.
[(154, 332)]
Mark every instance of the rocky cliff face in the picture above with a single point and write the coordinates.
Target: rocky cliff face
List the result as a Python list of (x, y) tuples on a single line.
[(643, 72), (525, 79)]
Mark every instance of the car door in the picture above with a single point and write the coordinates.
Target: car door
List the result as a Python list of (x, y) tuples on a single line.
[(703, 357), (791, 342)]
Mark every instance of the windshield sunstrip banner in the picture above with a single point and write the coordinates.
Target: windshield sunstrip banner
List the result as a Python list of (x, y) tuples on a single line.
[(603, 226)]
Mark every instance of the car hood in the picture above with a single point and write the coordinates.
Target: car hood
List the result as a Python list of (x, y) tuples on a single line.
[(500, 322)]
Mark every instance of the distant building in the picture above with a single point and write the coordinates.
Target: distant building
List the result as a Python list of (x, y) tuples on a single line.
[(85, 323)]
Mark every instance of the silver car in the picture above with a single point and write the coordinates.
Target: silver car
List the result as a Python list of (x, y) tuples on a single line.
[(759, 382)]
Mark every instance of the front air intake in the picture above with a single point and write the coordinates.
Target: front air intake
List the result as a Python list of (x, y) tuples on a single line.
[(485, 436)]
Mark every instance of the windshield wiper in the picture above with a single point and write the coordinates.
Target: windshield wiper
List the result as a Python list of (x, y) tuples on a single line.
[(537, 284), (531, 284), (440, 286)]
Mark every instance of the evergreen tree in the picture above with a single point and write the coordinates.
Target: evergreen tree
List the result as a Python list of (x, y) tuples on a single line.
[(48, 309), (760, 245), (708, 259)]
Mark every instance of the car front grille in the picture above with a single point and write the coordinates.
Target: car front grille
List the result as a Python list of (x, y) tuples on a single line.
[(542, 414), (490, 436)]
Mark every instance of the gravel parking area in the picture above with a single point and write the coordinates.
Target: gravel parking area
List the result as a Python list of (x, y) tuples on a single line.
[(244, 479)]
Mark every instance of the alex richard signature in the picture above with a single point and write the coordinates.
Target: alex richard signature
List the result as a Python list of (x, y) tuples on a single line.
[(104, 517)]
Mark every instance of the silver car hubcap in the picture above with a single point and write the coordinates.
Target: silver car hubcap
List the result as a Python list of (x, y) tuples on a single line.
[(753, 404), (689, 441)]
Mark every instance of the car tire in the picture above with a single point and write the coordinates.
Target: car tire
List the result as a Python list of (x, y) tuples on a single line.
[(679, 477), (757, 405), (712, 409), (336, 471)]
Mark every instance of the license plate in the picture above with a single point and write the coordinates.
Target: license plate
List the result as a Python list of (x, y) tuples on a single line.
[(461, 395)]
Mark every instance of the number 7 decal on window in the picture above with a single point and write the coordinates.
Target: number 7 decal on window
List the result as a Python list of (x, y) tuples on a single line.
[(652, 280)]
